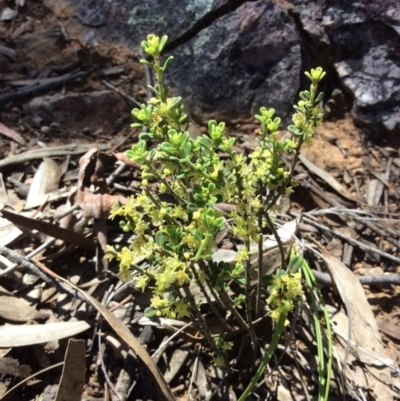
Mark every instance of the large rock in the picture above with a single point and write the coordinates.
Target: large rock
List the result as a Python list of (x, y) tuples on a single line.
[(245, 59), (362, 43), (231, 56)]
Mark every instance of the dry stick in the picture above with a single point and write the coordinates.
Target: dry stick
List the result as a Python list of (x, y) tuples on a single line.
[(46, 244), (27, 379), (53, 151), (163, 346), (113, 176), (104, 369), (381, 280), (352, 241), (30, 90), (58, 216), (122, 93), (367, 223), (17, 258)]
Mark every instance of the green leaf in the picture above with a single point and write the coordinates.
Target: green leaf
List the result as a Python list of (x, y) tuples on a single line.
[(198, 234), (167, 62), (294, 130), (308, 75), (163, 42), (219, 224), (145, 62), (150, 313), (187, 149), (167, 148), (152, 153), (319, 98), (240, 280), (176, 102), (204, 142), (160, 238), (212, 200), (192, 207), (295, 263), (146, 136)]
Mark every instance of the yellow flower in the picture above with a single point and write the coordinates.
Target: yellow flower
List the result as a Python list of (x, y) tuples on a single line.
[(242, 255), (219, 361), (125, 257), (181, 277), (115, 210), (182, 309), (141, 282)]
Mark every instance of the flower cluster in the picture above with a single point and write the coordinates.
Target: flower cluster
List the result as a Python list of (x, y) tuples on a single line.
[(285, 291)]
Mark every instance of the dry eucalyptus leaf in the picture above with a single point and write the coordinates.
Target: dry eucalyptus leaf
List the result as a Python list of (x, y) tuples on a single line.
[(10, 133), (21, 335), (364, 329), (4, 199), (74, 372), (18, 310), (45, 181), (364, 332)]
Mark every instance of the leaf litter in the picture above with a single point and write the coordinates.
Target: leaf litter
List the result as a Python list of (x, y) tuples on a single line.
[(61, 304)]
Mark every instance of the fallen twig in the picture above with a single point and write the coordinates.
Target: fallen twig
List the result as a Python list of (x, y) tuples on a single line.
[(325, 279), (30, 90), (352, 241), (17, 258), (71, 149)]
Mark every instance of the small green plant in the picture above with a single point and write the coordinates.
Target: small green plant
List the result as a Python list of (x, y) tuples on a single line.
[(177, 238)]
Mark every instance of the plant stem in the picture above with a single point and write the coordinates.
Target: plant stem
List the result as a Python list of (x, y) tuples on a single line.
[(220, 319), (268, 354), (249, 316), (260, 261), (202, 324), (230, 304), (278, 240)]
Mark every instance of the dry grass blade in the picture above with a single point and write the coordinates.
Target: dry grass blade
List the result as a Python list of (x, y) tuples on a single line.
[(123, 332)]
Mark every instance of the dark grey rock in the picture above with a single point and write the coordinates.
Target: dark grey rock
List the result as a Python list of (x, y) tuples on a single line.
[(92, 12), (88, 110), (232, 56), (132, 20), (362, 41), (246, 59)]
